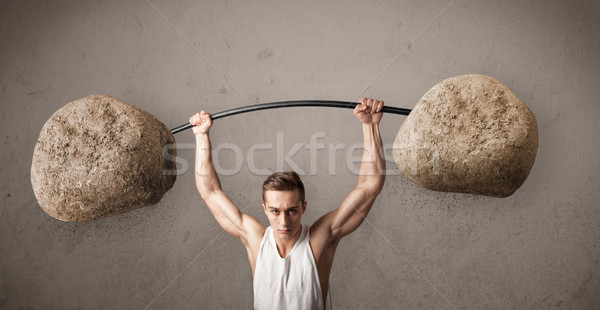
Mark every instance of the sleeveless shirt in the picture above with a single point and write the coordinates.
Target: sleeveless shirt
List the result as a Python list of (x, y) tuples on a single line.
[(287, 283)]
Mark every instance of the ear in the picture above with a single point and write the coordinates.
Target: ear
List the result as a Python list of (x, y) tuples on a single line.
[(264, 207), (304, 207)]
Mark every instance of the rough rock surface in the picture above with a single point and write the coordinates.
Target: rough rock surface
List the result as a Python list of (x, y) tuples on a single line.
[(468, 134), (100, 156)]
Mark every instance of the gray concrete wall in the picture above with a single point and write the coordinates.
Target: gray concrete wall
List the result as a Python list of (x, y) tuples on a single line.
[(419, 249)]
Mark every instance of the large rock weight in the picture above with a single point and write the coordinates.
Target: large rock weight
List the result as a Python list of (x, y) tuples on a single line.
[(100, 156), (468, 134)]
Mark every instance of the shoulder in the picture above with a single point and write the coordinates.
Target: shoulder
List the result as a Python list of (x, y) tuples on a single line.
[(320, 231), (253, 231), (322, 227)]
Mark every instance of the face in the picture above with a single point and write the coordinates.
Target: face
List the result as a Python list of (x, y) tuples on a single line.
[(284, 210)]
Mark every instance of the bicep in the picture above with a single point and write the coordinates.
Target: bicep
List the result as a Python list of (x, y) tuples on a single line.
[(351, 212), (229, 216)]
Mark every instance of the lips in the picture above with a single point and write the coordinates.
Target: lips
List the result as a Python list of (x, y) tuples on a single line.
[(284, 231)]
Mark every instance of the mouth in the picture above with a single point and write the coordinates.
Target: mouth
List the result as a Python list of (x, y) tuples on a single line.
[(284, 231)]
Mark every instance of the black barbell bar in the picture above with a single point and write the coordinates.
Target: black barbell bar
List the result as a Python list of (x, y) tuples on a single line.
[(287, 104)]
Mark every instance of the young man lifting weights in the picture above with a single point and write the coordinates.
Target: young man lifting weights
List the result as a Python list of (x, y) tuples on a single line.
[(291, 261)]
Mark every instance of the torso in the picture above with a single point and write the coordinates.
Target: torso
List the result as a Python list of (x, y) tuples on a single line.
[(323, 251)]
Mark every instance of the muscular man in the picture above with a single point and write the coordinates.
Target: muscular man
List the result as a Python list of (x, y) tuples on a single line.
[(290, 261)]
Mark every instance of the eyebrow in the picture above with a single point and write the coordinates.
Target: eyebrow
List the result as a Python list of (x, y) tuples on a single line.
[(292, 208)]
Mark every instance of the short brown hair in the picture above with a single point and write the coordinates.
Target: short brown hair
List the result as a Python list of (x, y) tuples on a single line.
[(283, 181)]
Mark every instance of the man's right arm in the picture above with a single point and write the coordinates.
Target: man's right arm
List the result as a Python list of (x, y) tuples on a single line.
[(227, 214)]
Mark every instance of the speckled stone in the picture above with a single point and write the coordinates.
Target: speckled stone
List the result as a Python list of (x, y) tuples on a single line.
[(468, 134), (99, 156)]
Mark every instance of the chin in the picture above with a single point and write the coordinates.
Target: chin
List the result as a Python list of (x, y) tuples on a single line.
[(290, 233)]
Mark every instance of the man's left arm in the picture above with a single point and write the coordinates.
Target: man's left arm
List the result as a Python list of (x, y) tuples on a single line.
[(355, 207)]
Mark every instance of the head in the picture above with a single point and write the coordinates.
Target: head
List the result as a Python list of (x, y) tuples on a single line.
[(283, 202)]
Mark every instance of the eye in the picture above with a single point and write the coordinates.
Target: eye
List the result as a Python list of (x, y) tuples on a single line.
[(275, 211), (293, 211)]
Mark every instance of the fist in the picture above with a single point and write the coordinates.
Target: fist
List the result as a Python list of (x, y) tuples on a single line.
[(368, 111), (202, 122)]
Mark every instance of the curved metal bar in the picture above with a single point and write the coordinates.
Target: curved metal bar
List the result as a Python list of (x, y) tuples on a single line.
[(287, 104)]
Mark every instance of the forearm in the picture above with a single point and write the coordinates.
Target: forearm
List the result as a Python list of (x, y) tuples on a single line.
[(372, 167), (207, 179)]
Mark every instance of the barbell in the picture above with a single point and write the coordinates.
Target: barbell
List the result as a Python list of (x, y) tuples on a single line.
[(289, 104), (99, 156)]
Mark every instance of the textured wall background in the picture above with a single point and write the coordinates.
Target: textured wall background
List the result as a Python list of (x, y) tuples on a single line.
[(537, 249)]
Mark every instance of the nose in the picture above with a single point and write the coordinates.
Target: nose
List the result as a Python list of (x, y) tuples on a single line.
[(284, 219)]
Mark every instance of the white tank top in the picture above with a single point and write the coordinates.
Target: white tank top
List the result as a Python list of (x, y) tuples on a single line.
[(287, 283)]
